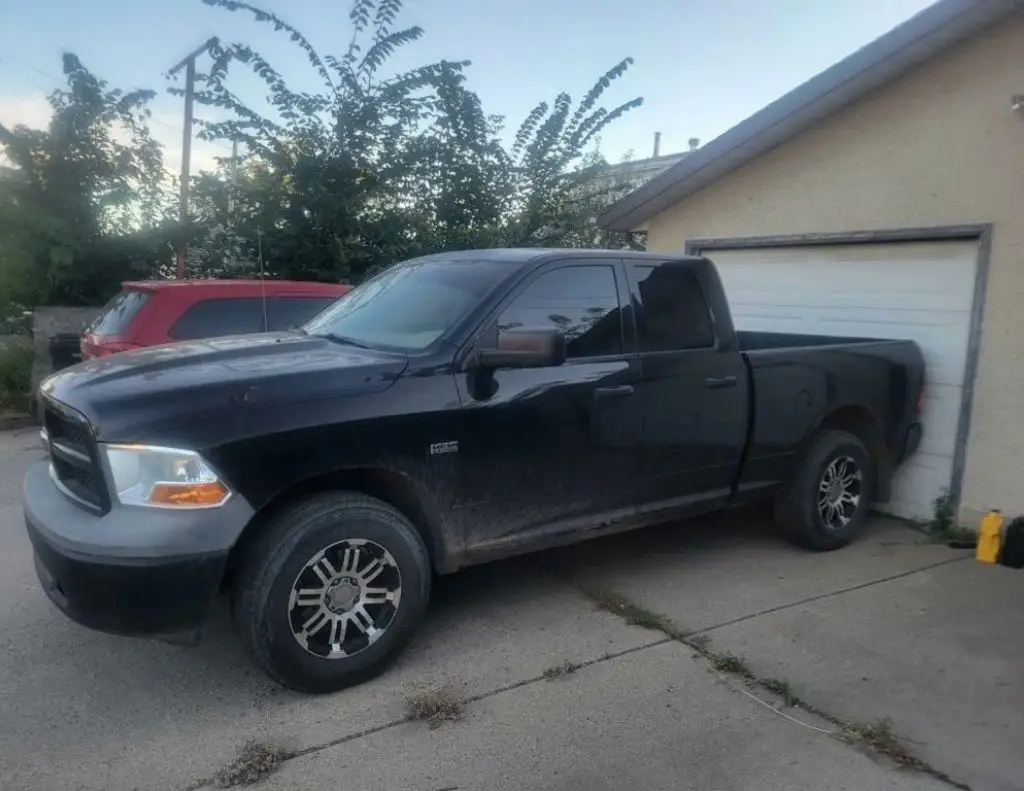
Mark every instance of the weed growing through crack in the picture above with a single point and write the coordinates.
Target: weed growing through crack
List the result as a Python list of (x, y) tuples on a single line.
[(255, 762), (435, 707), (942, 527), (780, 688), (878, 735), (558, 671), (730, 663), (634, 615)]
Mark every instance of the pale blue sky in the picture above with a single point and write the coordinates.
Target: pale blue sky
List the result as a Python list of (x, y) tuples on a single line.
[(701, 65)]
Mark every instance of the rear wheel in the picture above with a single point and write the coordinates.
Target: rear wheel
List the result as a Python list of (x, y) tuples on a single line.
[(332, 592), (825, 505)]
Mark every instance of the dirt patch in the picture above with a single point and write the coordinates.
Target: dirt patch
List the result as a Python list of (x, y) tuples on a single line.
[(435, 707), (559, 671)]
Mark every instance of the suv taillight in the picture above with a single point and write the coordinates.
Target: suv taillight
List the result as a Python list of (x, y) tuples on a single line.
[(920, 399), (92, 350)]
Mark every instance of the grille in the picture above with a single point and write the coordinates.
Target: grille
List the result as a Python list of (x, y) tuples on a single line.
[(74, 460)]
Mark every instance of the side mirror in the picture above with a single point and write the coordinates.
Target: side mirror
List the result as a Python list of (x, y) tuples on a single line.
[(518, 348)]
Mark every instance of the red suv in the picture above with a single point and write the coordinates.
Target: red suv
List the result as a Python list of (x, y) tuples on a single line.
[(151, 312)]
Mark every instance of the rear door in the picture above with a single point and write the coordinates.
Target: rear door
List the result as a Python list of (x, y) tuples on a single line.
[(542, 447), (694, 393)]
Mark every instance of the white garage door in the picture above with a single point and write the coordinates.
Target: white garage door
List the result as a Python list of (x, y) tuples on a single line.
[(922, 291)]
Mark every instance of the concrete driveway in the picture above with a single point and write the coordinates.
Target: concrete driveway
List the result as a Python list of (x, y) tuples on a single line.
[(890, 629)]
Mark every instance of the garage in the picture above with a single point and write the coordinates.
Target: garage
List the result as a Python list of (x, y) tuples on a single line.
[(883, 198), (918, 290)]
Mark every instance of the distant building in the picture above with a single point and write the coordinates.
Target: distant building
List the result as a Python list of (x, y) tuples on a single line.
[(639, 171)]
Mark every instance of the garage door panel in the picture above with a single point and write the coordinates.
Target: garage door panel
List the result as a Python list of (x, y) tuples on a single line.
[(913, 479), (940, 416), (882, 275), (853, 296), (919, 291)]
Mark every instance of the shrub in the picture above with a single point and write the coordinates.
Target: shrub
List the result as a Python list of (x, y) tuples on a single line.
[(16, 358)]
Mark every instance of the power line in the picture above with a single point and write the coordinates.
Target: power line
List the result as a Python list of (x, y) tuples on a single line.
[(4, 61), (23, 73)]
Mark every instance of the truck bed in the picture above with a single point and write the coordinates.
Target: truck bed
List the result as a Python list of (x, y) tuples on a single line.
[(754, 341), (796, 379)]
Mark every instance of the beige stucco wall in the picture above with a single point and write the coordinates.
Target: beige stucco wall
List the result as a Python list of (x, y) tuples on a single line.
[(939, 147)]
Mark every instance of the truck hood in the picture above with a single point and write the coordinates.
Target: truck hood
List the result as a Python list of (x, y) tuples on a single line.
[(129, 395)]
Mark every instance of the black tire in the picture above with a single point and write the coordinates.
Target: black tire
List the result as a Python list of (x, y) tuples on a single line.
[(797, 509), (261, 599)]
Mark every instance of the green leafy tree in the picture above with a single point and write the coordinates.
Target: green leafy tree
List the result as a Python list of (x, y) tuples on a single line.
[(558, 171), (86, 204), (340, 154), (376, 166)]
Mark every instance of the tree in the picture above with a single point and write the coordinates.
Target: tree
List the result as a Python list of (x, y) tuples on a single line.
[(86, 205), (378, 167)]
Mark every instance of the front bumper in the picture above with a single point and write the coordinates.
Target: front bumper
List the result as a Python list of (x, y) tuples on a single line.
[(133, 571)]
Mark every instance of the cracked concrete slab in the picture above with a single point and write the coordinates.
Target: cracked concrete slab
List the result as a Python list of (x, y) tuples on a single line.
[(89, 711), (713, 571), (656, 719), (939, 652)]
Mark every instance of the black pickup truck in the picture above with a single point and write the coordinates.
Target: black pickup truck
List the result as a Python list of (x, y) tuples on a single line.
[(454, 409)]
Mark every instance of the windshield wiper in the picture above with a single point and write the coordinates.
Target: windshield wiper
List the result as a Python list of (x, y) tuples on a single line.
[(343, 340)]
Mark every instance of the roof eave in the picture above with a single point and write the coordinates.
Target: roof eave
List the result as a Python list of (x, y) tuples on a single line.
[(884, 60)]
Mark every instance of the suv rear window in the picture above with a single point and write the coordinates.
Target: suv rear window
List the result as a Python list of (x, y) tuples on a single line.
[(211, 318), (118, 313), (283, 313)]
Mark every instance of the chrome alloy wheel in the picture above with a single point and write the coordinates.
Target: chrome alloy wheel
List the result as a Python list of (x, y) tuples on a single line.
[(344, 598), (839, 492)]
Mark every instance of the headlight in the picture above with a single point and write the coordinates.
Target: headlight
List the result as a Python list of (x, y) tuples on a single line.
[(163, 477)]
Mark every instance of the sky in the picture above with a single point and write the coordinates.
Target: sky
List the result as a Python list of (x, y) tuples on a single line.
[(701, 66)]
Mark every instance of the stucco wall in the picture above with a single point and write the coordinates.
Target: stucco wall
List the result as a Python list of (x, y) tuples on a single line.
[(939, 147)]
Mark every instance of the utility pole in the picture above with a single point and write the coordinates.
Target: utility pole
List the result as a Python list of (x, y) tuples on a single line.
[(189, 64), (231, 203), (234, 178)]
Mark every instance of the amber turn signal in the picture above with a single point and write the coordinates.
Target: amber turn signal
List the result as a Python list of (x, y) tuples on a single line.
[(189, 494)]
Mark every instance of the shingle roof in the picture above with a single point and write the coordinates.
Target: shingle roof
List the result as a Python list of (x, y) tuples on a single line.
[(887, 58)]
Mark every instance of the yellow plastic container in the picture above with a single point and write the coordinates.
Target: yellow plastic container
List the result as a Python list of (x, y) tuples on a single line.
[(989, 537)]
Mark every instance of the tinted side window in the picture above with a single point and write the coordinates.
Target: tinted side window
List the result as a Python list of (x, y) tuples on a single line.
[(213, 317), (676, 314), (286, 312), (581, 301)]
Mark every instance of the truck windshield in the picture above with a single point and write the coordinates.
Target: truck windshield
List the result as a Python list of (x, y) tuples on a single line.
[(410, 305)]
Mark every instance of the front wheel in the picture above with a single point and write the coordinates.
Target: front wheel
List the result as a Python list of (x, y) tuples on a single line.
[(332, 592), (825, 505)]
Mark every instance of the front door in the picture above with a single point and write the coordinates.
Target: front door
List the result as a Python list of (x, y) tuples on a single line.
[(554, 449), (693, 393)]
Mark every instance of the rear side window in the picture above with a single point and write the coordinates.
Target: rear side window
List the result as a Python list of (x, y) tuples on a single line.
[(581, 301), (215, 317), (676, 315), (283, 313), (118, 313)]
